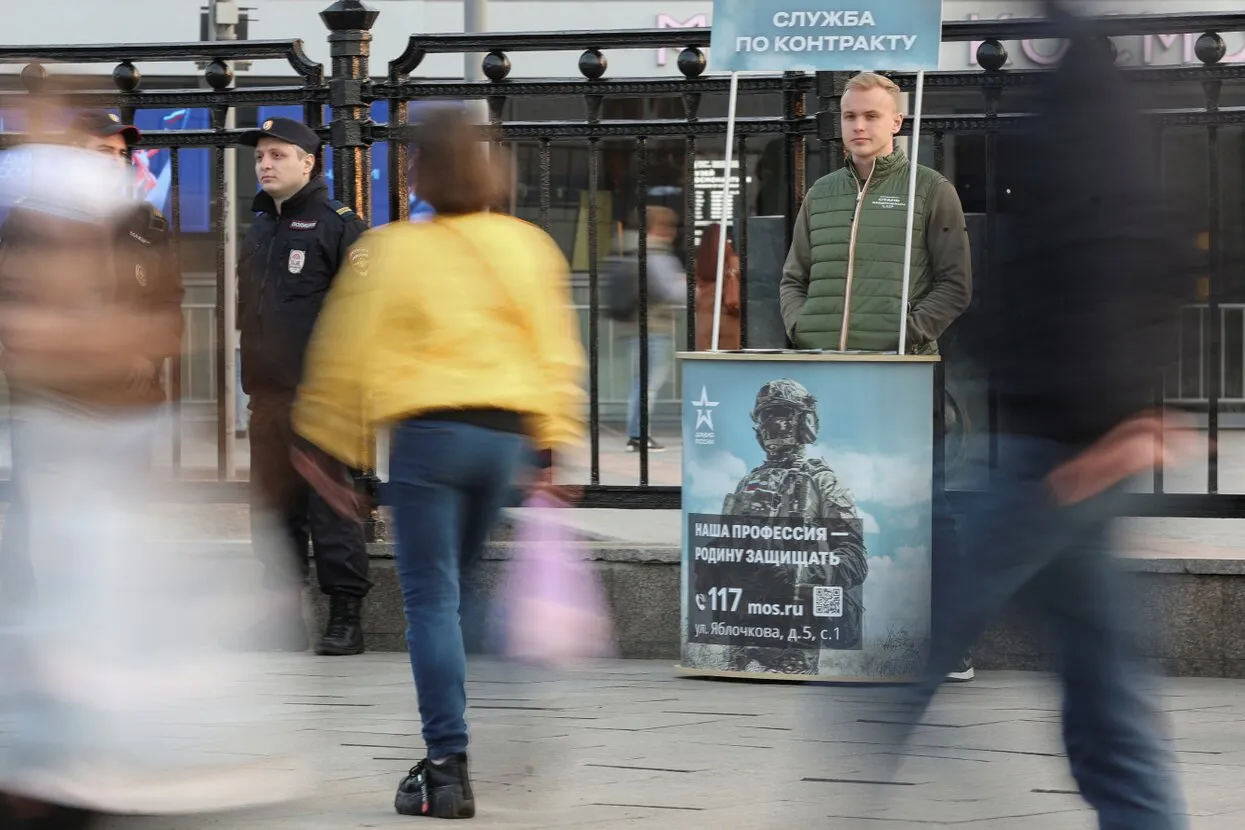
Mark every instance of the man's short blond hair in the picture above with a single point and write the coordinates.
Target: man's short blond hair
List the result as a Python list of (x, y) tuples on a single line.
[(872, 80)]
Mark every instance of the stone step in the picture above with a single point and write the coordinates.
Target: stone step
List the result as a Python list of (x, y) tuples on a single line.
[(1190, 570), (1192, 606)]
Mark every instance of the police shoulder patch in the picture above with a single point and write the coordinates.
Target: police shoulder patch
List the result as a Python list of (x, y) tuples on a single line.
[(360, 259), (341, 209)]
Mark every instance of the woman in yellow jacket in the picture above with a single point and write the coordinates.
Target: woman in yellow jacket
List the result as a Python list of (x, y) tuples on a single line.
[(459, 333)]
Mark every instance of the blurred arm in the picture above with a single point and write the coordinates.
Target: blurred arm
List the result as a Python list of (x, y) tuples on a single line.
[(165, 300)]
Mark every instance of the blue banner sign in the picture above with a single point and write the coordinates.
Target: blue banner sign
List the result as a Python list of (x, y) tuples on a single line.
[(826, 35)]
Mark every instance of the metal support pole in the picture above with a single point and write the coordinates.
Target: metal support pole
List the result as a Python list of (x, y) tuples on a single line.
[(350, 133), (475, 21), (223, 25)]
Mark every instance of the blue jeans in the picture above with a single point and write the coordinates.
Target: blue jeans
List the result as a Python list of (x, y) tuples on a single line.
[(449, 482), (660, 353), (1057, 565)]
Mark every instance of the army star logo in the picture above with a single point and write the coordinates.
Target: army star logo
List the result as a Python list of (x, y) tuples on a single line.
[(704, 409)]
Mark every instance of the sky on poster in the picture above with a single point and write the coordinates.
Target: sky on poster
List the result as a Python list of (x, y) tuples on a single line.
[(876, 435), (825, 35)]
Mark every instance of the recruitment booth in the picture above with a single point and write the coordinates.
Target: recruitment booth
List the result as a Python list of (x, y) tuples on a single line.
[(808, 476)]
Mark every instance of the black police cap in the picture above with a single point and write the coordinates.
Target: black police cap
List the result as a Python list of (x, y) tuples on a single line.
[(103, 124), (283, 129)]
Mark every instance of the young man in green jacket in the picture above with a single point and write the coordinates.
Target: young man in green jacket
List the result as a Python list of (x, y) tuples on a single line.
[(842, 284)]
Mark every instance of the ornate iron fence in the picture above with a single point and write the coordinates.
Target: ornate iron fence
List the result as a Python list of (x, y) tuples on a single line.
[(968, 114)]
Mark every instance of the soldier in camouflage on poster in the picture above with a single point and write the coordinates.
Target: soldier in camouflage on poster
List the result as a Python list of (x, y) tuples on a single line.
[(789, 484)]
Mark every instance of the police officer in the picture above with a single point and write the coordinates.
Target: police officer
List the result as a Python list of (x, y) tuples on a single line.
[(144, 277), (286, 265)]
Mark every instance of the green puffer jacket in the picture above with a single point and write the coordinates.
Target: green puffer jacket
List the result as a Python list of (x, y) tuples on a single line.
[(855, 233)]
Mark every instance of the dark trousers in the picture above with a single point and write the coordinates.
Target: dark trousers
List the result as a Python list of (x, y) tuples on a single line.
[(1056, 563), (279, 494)]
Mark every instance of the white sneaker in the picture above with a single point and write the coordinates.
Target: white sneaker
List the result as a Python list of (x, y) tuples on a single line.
[(964, 672)]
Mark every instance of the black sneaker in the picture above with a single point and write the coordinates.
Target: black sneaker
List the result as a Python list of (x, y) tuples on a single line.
[(963, 672), (437, 790), (633, 445)]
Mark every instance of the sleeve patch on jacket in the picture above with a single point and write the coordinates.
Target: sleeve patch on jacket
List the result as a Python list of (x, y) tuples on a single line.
[(360, 258)]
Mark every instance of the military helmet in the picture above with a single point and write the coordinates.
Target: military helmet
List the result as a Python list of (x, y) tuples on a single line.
[(785, 415), (784, 390)]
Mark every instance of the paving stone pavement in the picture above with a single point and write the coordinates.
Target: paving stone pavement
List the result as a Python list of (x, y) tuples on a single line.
[(631, 744)]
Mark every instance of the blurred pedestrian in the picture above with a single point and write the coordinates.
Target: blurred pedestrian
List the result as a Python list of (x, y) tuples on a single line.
[(706, 292), (468, 384), (1081, 328), (287, 262), (145, 277), (667, 291), (127, 684)]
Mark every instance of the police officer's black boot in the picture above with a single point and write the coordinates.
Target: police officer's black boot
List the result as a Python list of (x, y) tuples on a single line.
[(344, 633)]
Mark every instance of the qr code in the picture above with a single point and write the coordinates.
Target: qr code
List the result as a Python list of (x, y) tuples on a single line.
[(827, 602)]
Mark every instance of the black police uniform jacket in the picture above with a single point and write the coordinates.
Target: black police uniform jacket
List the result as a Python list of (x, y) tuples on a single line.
[(145, 275), (286, 265)]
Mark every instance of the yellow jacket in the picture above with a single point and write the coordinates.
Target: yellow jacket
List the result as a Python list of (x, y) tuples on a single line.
[(461, 312)]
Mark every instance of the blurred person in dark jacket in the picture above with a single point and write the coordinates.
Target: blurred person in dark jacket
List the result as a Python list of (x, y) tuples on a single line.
[(1092, 277), (127, 659), (143, 275)]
